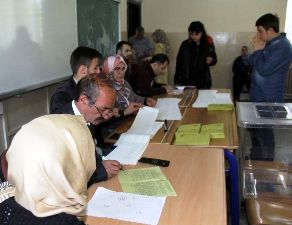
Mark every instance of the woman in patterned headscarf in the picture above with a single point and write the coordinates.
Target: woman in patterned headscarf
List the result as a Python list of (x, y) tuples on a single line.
[(50, 161), (114, 67)]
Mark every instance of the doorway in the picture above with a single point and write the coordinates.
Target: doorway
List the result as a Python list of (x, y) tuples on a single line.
[(133, 16)]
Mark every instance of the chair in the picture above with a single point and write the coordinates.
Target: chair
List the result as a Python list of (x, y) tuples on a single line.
[(233, 182), (3, 166)]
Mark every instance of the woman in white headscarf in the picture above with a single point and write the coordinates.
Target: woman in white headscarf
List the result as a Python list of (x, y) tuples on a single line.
[(114, 67), (50, 161)]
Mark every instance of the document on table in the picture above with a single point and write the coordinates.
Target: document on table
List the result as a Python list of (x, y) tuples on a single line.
[(145, 123), (168, 109), (130, 148), (215, 130), (192, 139), (189, 128), (220, 107), (206, 97), (147, 181), (125, 206)]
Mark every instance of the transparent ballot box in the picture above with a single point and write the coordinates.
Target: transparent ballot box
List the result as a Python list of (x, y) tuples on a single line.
[(265, 131)]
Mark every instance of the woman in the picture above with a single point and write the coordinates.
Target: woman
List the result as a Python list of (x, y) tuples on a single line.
[(114, 67), (195, 56), (160, 39), (50, 161)]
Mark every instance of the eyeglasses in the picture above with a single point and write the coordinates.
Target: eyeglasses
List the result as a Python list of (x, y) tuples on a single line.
[(123, 69), (104, 112)]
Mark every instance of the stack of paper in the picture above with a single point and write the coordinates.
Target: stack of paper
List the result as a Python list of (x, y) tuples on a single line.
[(206, 97), (146, 181), (215, 130), (220, 107), (130, 148), (189, 128), (168, 109), (125, 206), (133, 143), (192, 139)]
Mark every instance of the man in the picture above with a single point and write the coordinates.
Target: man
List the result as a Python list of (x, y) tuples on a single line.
[(95, 98), (83, 61), (143, 81), (142, 45), (241, 73), (270, 63), (124, 49)]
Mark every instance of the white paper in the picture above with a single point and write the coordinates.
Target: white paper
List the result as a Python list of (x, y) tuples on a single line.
[(125, 206), (130, 148), (144, 122), (206, 97), (168, 109)]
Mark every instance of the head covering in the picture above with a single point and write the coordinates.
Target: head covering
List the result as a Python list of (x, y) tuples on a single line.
[(110, 64), (50, 161)]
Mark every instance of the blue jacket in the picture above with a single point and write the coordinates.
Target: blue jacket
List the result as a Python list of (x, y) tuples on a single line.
[(270, 68)]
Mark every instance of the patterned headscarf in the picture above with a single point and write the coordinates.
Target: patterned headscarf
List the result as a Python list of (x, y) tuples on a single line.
[(108, 68), (50, 161)]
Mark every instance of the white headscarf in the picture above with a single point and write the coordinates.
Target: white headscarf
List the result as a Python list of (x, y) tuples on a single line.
[(50, 161)]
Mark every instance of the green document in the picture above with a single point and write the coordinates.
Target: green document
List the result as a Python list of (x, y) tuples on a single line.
[(192, 139), (146, 181), (189, 128), (220, 107), (215, 130)]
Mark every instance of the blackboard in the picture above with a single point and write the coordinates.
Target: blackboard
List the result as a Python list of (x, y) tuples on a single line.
[(98, 25)]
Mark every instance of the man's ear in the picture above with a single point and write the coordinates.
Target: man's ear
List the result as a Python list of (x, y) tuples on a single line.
[(83, 98)]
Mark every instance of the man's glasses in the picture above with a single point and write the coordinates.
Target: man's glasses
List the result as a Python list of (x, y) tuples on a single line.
[(104, 112), (123, 69)]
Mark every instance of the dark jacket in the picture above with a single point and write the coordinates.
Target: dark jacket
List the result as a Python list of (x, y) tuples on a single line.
[(100, 173), (143, 81), (269, 70), (64, 94), (11, 213), (191, 66)]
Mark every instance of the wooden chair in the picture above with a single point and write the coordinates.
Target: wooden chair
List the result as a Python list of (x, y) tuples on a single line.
[(3, 166)]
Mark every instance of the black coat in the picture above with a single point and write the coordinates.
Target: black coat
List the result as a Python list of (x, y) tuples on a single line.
[(191, 66)]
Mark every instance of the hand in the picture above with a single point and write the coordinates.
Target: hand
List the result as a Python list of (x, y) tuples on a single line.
[(116, 112), (151, 102), (112, 167), (168, 89), (209, 60), (133, 107), (257, 43)]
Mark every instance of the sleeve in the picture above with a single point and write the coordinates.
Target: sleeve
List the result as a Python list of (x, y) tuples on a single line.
[(268, 61), (135, 97), (236, 66), (58, 101), (99, 174), (149, 47), (143, 83), (212, 53), (178, 76)]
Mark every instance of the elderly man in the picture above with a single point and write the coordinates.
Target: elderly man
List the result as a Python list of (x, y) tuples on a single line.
[(95, 98)]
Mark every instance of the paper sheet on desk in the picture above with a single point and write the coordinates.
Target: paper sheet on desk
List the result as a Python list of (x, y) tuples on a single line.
[(168, 109), (125, 206), (206, 97), (145, 123), (146, 181), (130, 148)]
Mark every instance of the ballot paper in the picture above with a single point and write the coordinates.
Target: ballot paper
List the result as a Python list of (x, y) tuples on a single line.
[(168, 109), (206, 97), (130, 148), (145, 123), (125, 206)]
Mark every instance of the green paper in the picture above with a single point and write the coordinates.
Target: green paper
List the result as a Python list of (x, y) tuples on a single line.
[(192, 139), (189, 128), (220, 107), (215, 130), (146, 181)]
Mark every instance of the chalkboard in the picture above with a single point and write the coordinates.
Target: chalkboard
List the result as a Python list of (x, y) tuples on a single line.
[(98, 25)]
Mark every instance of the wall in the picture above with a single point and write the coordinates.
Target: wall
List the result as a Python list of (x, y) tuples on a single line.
[(229, 22)]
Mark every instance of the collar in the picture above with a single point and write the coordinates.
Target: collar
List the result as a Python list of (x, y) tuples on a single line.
[(75, 109)]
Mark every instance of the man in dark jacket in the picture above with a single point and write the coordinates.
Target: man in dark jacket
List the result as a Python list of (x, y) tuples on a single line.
[(241, 73), (95, 98), (143, 76)]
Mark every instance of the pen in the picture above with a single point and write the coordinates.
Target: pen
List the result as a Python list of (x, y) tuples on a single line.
[(165, 126)]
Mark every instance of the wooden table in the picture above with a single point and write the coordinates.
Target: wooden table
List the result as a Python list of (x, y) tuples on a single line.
[(199, 184)]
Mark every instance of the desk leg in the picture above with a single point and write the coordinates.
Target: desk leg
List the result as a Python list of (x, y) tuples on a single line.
[(234, 194)]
